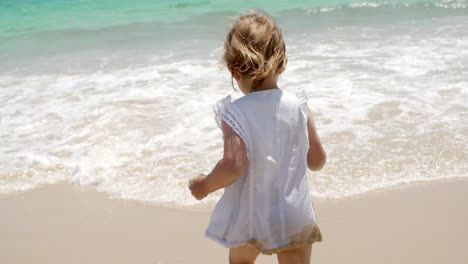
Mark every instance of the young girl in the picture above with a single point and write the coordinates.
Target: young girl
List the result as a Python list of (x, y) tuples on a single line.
[(269, 142)]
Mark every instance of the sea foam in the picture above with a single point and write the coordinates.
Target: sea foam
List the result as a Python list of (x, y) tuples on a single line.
[(135, 118)]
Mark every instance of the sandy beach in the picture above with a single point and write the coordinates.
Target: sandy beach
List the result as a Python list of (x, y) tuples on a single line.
[(106, 111), (415, 223)]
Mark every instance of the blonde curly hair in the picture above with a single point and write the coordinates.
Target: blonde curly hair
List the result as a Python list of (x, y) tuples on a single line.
[(255, 49)]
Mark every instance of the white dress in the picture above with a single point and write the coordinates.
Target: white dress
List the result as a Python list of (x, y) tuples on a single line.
[(269, 206)]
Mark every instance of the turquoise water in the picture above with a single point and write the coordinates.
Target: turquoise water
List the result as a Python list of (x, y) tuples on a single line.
[(19, 17), (31, 29), (118, 94)]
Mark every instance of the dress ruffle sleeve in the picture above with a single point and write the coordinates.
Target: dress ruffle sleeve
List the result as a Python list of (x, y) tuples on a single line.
[(301, 94), (226, 111)]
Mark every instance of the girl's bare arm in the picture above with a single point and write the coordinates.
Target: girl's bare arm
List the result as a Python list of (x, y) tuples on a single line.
[(227, 170), (316, 156)]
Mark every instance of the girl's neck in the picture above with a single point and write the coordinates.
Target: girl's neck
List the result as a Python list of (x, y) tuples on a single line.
[(269, 83)]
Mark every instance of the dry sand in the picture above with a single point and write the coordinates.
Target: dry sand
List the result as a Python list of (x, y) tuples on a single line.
[(416, 223)]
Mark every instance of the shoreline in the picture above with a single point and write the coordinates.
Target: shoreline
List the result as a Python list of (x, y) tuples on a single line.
[(209, 207), (61, 223)]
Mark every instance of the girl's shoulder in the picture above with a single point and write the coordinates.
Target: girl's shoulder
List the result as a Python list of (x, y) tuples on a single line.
[(228, 111), (259, 99)]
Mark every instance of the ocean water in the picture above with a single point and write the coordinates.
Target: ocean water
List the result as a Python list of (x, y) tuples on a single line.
[(119, 94)]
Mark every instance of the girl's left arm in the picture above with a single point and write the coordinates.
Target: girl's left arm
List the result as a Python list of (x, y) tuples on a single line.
[(227, 170)]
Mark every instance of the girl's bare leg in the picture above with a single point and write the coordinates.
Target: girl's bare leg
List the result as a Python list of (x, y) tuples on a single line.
[(242, 255), (296, 256)]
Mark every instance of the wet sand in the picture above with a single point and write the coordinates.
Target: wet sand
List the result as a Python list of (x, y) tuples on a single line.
[(414, 223)]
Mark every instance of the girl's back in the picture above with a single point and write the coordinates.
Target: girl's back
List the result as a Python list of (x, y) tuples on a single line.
[(269, 206)]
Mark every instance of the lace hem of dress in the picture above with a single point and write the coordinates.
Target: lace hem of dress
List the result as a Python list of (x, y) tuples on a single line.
[(222, 112), (309, 235)]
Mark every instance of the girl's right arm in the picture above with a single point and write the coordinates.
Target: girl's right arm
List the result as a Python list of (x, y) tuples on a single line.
[(316, 156), (227, 170)]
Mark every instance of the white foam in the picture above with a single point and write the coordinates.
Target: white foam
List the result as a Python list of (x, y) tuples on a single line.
[(390, 107)]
